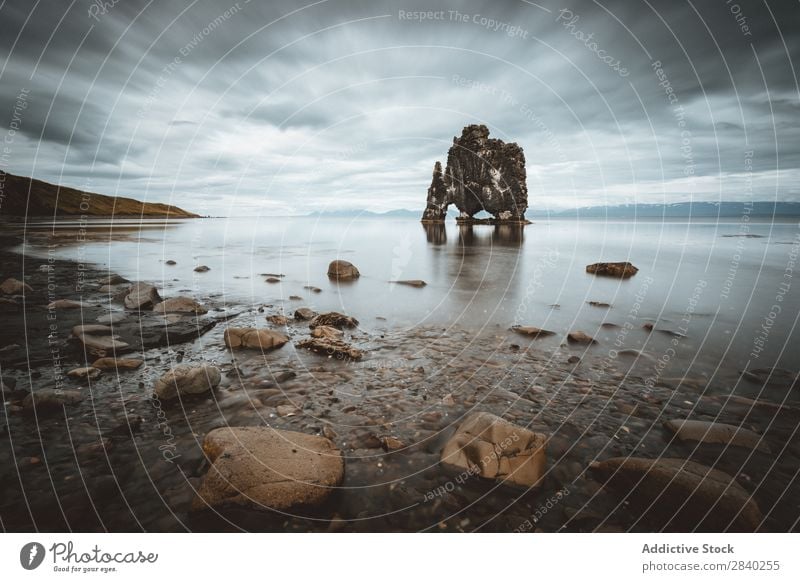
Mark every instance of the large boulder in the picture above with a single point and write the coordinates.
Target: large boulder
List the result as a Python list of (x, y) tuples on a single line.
[(13, 286), (717, 433), (265, 468), (333, 319), (142, 296), (180, 305), (482, 174), (251, 337), (619, 270), (187, 379), (342, 270), (681, 495), (493, 448)]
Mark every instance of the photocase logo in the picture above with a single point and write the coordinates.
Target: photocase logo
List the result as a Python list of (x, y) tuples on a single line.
[(31, 555)]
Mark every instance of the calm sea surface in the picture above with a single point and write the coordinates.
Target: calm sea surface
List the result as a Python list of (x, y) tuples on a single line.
[(728, 287)]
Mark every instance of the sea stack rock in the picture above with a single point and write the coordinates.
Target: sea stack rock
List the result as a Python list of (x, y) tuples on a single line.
[(481, 174)]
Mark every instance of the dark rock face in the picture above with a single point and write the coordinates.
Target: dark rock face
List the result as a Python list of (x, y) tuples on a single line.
[(481, 174), (436, 208)]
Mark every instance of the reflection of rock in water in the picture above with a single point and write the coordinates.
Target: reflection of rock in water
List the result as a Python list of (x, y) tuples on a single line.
[(466, 236), (506, 235), (511, 235), (435, 233)]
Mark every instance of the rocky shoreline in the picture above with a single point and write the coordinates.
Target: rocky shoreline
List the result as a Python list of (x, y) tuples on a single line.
[(126, 411)]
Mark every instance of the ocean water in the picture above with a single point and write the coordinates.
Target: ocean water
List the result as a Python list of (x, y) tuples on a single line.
[(724, 292)]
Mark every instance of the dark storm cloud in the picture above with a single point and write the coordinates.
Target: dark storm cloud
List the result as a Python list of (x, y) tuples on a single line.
[(281, 107)]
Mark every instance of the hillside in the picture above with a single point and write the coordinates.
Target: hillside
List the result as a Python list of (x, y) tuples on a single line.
[(20, 196)]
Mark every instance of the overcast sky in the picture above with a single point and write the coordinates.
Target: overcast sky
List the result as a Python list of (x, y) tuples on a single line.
[(285, 107)]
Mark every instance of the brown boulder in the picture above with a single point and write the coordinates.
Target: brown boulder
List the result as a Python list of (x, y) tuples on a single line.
[(141, 296), (488, 446), (579, 337), (251, 337), (97, 338), (13, 286), (187, 379), (680, 495), (342, 270), (265, 468), (620, 270), (280, 320), (117, 363)]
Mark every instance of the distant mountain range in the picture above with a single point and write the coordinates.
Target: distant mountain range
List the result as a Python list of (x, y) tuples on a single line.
[(20, 196), (678, 210)]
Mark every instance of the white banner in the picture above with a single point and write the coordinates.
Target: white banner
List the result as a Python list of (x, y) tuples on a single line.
[(356, 557)]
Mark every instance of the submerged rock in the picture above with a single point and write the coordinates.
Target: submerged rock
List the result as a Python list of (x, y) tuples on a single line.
[(532, 331), (87, 373), (98, 339), (280, 320), (482, 174), (333, 319), (117, 363), (64, 304), (304, 313), (202, 269), (112, 279), (50, 399), (342, 270), (579, 337), (620, 270), (187, 379), (493, 448), (180, 305), (251, 337), (717, 433), (332, 347), (13, 286), (680, 495), (265, 468), (327, 332), (410, 282)]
